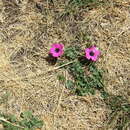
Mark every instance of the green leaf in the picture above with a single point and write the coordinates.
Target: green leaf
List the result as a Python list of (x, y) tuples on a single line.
[(79, 92), (69, 84), (104, 95), (8, 126), (126, 107), (61, 78), (92, 91), (37, 123), (30, 121), (26, 115), (12, 119), (71, 52)]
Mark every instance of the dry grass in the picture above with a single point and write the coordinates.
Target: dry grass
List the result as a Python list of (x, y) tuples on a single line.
[(26, 34)]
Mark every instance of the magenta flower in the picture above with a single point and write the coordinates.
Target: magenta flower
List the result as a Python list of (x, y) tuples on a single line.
[(92, 53), (57, 49)]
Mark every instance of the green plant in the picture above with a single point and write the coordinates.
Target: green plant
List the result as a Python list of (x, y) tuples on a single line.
[(70, 84), (61, 78), (86, 83), (72, 53), (83, 83), (26, 122)]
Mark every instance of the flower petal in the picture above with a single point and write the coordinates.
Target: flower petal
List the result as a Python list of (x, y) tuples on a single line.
[(97, 52), (88, 56), (58, 45), (52, 50), (94, 58), (87, 53), (55, 55)]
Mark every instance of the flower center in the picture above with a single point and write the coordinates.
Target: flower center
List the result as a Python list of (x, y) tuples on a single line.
[(91, 53), (57, 50)]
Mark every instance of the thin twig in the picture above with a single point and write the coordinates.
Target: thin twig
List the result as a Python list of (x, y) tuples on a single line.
[(61, 66), (43, 73), (4, 120)]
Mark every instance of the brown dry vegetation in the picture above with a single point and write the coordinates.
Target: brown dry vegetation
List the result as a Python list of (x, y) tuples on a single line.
[(26, 34)]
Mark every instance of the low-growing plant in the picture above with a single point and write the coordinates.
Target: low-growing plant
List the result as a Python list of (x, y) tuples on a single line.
[(82, 82), (86, 83), (26, 121)]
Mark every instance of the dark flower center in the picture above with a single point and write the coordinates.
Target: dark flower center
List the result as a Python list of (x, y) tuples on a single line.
[(91, 53), (57, 50)]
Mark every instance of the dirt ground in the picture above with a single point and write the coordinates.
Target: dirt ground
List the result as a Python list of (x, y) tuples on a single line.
[(26, 32)]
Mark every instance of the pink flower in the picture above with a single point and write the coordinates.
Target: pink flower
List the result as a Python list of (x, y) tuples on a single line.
[(56, 49), (92, 53)]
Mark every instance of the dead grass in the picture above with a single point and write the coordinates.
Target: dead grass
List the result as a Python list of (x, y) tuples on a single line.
[(26, 34)]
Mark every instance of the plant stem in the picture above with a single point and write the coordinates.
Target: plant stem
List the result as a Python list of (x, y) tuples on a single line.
[(4, 120)]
